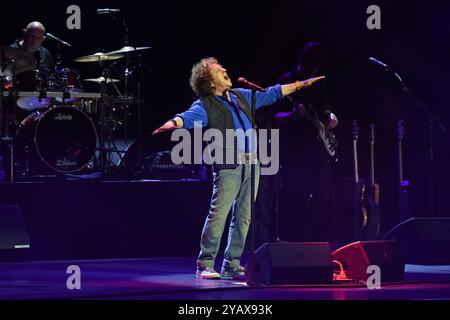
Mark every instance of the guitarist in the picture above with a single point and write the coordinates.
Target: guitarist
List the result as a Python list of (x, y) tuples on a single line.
[(306, 203)]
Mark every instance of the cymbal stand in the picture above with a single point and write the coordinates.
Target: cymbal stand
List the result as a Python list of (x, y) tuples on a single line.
[(2, 68), (128, 73), (107, 123), (127, 77), (142, 64), (102, 121), (13, 124), (2, 167), (58, 57)]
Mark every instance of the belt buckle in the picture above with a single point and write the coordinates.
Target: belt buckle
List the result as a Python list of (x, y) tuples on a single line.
[(248, 157)]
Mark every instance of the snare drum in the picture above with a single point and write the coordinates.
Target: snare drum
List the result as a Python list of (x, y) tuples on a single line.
[(34, 80)]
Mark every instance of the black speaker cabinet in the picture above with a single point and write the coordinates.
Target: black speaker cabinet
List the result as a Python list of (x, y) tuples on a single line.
[(423, 240), (290, 263), (13, 233)]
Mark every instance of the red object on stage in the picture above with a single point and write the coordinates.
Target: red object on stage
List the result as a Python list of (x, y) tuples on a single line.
[(356, 257)]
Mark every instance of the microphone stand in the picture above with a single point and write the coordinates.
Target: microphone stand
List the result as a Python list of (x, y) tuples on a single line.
[(432, 120), (253, 165), (140, 140), (127, 75)]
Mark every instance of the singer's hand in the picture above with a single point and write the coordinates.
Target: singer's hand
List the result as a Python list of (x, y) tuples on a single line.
[(169, 125), (290, 88), (310, 81)]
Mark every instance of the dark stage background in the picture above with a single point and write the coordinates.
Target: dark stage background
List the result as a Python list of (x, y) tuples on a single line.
[(260, 40)]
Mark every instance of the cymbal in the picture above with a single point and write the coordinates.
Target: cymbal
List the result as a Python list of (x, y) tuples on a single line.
[(128, 49), (102, 79), (99, 56), (23, 60), (14, 53)]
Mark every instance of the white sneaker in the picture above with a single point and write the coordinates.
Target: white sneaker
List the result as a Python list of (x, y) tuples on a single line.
[(207, 273), (234, 273)]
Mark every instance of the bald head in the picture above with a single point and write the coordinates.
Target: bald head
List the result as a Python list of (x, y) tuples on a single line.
[(33, 36), (35, 25)]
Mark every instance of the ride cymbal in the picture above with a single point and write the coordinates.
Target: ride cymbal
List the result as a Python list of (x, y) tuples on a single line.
[(129, 49), (98, 57), (23, 60), (102, 79)]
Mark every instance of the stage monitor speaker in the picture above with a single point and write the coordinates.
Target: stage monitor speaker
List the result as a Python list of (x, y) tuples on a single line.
[(356, 257), (290, 263), (13, 233), (423, 240)]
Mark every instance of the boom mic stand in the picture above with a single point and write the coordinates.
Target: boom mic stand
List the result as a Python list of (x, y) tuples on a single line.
[(128, 73), (432, 120), (253, 164)]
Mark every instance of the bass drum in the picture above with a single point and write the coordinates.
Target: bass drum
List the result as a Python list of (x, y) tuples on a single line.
[(63, 138)]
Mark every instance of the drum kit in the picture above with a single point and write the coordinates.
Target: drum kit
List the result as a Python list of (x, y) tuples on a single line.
[(50, 123)]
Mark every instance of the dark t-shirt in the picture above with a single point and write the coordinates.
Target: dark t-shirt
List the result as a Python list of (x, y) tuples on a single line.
[(43, 58), (298, 139)]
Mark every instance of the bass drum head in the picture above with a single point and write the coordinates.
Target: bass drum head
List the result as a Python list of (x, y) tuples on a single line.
[(66, 139)]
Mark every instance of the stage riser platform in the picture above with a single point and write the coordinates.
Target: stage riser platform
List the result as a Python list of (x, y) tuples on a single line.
[(93, 219)]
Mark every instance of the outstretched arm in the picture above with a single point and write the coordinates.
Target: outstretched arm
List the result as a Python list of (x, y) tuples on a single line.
[(287, 89), (172, 124), (194, 116)]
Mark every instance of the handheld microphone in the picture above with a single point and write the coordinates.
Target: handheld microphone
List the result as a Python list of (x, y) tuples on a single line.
[(48, 35), (389, 70), (250, 85), (379, 63), (108, 11)]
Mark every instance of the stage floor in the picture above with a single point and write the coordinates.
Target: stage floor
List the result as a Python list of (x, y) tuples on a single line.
[(174, 279)]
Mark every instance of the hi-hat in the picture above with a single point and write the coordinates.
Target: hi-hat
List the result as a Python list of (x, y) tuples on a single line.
[(129, 49), (23, 60), (98, 57), (102, 79)]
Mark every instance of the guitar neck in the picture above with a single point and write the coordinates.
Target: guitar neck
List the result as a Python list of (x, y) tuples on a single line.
[(400, 163), (313, 120), (375, 186), (308, 114), (372, 164), (355, 161)]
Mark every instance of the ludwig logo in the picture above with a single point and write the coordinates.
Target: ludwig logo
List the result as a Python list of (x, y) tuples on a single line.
[(63, 117)]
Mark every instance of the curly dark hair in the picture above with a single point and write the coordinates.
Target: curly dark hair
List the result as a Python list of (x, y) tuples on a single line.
[(200, 80)]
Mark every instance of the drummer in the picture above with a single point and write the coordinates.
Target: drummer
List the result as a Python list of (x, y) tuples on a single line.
[(32, 38)]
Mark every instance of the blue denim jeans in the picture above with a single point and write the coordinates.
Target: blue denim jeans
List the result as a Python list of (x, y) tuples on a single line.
[(231, 190)]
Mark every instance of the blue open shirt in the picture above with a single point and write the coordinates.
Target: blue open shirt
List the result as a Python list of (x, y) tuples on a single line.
[(197, 112)]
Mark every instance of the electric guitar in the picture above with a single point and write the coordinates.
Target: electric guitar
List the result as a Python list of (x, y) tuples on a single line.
[(403, 184), (361, 215), (324, 135), (373, 225)]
